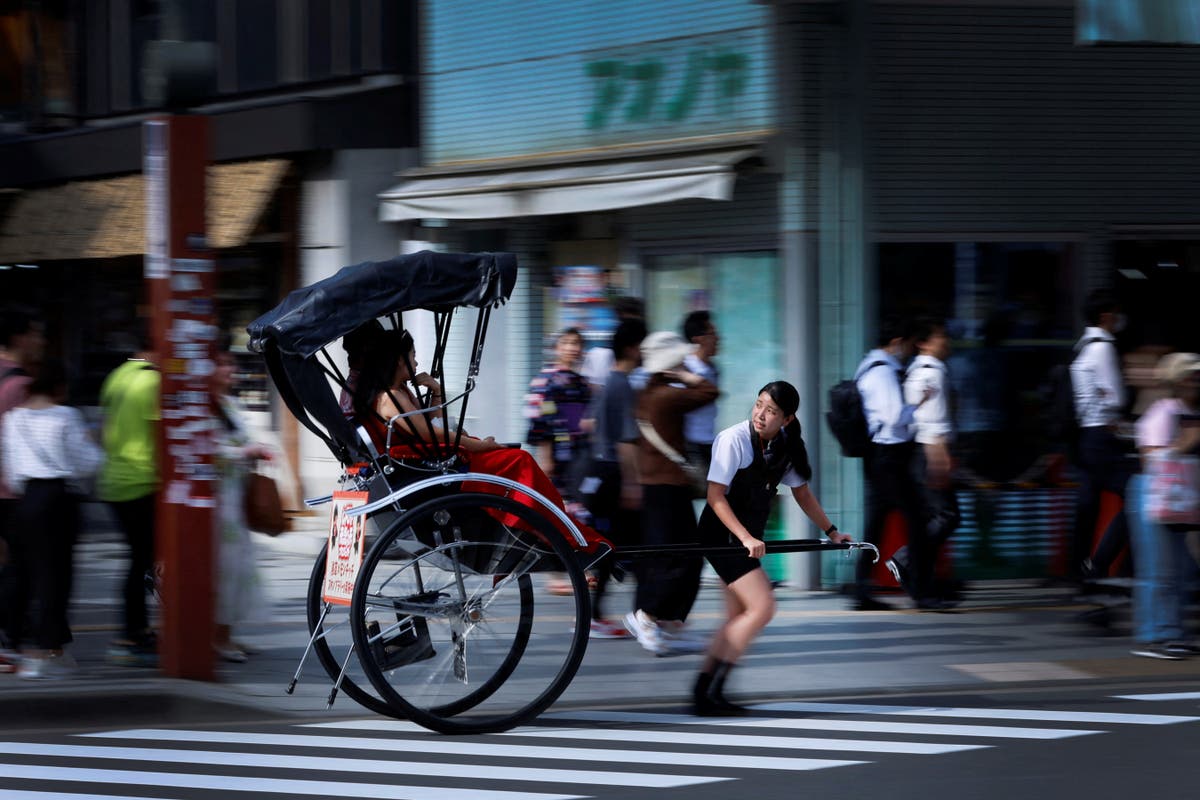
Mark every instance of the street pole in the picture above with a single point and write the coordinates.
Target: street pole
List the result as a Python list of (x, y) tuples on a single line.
[(181, 284)]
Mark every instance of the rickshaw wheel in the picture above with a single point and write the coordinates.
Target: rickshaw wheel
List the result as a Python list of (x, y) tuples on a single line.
[(443, 629), (335, 640)]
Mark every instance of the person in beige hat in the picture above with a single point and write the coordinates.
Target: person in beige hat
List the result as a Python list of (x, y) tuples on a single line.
[(1160, 556), (667, 586)]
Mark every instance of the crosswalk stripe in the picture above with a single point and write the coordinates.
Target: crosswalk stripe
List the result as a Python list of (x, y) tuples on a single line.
[(858, 726), (242, 783), (643, 758), (330, 764), (755, 741), (1030, 715), (1160, 696), (25, 794)]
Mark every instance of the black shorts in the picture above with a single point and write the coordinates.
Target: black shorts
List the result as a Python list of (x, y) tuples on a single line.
[(732, 566)]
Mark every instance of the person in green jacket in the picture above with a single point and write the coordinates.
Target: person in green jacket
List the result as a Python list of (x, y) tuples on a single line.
[(129, 482)]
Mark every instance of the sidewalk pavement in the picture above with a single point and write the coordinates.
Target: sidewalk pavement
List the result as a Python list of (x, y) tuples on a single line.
[(1003, 634)]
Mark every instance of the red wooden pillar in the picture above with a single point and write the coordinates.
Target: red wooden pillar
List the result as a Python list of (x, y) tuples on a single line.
[(181, 283)]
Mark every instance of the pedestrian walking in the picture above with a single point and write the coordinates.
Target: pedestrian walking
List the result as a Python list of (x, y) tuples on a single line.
[(22, 343), (557, 407), (750, 460), (700, 426), (611, 488), (887, 464), (1169, 429), (598, 361), (926, 387), (240, 595), (48, 458), (667, 585), (1105, 461), (128, 483)]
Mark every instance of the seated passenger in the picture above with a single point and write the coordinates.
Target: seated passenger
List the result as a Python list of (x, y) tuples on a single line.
[(382, 392)]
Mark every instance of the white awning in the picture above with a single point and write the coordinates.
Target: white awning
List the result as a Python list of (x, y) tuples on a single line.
[(564, 189)]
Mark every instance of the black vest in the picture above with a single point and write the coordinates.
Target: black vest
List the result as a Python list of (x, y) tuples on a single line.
[(752, 491)]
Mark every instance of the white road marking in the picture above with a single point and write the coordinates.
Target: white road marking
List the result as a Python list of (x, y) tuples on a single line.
[(742, 740), (243, 783), (358, 765), (1160, 696), (1030, 715), (643, 758), (857, 726)]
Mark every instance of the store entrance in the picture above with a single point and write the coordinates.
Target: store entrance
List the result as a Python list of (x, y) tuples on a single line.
[(1158, 282)]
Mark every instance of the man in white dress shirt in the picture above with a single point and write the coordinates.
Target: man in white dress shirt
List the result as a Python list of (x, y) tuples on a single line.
[(1105, 462), (887, 466), (926, 387)]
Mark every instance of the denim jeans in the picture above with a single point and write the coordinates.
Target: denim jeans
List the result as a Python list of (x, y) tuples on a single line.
[(1161, 566)]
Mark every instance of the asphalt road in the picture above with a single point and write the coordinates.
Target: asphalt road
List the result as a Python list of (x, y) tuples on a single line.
[(1089, 740)]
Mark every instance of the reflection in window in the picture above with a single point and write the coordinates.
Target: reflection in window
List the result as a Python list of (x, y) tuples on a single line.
[(1010, 311), (741, 291)]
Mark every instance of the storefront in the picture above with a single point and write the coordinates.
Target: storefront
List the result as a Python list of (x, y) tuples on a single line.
[(986, 163), (630, 138)]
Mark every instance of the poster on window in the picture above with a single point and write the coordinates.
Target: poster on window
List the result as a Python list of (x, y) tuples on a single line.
[(344, 554)]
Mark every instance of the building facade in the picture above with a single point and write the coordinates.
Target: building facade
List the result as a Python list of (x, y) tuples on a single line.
[(311, 108)]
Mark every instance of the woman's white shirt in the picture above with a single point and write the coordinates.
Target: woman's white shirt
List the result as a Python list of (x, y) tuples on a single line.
[(931, 420), (733, 450), (46, 444)]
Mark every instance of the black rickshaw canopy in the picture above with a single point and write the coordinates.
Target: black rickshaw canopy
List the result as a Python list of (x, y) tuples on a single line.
[(312, 317), (291, 335)]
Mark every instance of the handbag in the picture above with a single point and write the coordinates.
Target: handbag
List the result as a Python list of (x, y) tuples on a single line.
[(697, 478), (264, 509), (1173, 488)]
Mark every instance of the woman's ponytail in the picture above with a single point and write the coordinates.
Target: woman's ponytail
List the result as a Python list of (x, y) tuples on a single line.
[(788, 400), (797, 451)]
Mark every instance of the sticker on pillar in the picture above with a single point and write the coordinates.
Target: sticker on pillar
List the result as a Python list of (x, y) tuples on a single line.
[(344, 554)]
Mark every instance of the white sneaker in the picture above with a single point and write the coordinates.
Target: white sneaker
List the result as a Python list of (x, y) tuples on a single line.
[(647, 632), (47, 668)]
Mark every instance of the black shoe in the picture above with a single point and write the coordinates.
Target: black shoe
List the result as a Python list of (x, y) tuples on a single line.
[(871, 604), (934, 604), (1088, 571), (708, 706), (1183, 649)]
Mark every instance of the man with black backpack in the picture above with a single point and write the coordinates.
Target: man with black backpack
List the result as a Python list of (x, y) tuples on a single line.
[(1099, 395), (888, 458)]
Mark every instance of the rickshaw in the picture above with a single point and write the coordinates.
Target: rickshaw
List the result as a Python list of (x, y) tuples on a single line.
[(447, 625)]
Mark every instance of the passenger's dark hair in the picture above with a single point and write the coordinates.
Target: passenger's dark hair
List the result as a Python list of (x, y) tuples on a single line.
[(628, 334), (696, 324), (15, 321), (627, 307), (357, 339), (1099, 301), (893, 326), (50, 379), (381, 350), (788, 400), (565, 332), (925, 327)]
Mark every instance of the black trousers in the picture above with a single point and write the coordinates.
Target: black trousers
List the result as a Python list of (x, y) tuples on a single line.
[(136, 518), (888, 470), (939, 519), (1106, 465), (46, 522), (10, 624), (667, 586)]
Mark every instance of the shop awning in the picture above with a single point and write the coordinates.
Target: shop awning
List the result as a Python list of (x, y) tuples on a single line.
[(107, 218), (564, 189)]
